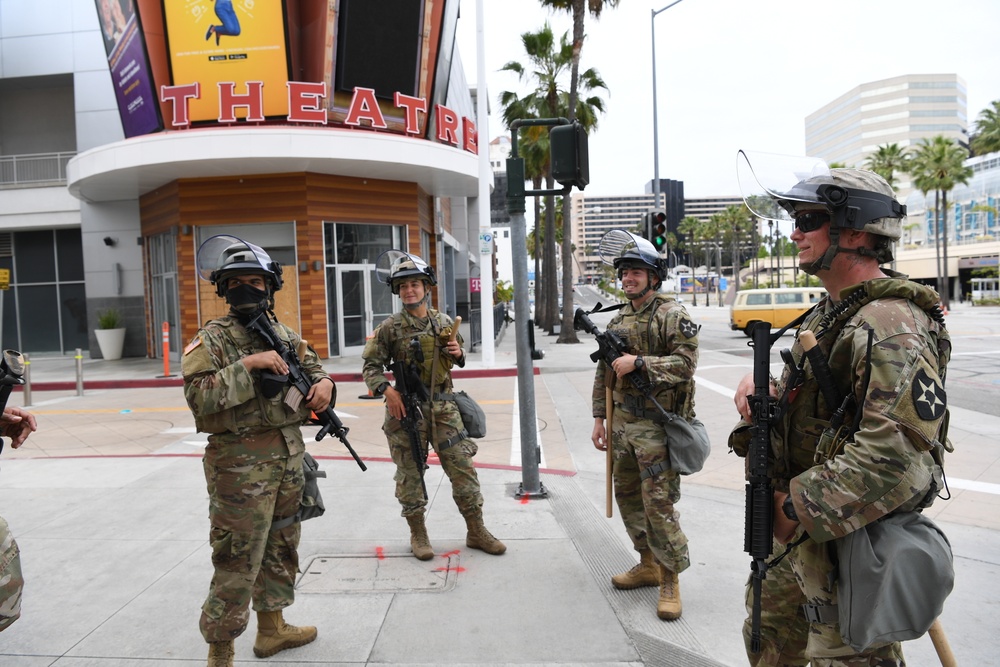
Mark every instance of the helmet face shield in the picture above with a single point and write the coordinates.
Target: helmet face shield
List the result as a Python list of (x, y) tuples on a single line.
[(622, 249), (769, 183), (394, 265), (223, 255)]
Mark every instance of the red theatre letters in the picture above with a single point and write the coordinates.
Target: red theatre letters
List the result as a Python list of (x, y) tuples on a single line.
[(304, 104)]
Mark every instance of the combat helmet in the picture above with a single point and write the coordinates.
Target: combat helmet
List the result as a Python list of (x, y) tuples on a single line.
[(223, 256), (394, 266), (854, 199), (624, 250)]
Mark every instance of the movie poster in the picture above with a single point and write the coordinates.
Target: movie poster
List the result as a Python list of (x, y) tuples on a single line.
[(129, 64), (237, 41)]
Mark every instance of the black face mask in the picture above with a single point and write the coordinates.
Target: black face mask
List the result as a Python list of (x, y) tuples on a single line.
[(246, 299)]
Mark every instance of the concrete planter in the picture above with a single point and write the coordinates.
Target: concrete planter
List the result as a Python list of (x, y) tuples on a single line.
[(111, 342)]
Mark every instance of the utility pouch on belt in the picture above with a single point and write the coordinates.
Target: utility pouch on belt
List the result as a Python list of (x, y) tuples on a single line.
[(311, 505), (687, 444), (473, 417), (894, 576)]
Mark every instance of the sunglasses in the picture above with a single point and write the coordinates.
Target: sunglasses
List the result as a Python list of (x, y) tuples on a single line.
[(810, 222)]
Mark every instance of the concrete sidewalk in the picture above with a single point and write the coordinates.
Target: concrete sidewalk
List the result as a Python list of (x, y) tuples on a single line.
[(108, 504)]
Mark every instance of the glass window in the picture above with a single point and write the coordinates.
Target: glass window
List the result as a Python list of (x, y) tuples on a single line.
[(36, 259), (42, 327), (756, 299), (73, 306), (69, 248), (358, 244), (786, 299)]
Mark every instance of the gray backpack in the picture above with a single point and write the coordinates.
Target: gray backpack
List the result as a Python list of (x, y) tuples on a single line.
[(312, 502)]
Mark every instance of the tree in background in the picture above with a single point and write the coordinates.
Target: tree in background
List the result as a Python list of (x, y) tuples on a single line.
[(938, 164), (579, 10), (887, 161), (987, 138)]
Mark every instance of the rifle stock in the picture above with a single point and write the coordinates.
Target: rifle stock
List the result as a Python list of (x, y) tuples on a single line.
[(261, 325), (759, 494)]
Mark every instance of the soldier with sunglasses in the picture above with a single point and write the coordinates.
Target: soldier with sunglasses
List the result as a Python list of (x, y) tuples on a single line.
[(838, 467)]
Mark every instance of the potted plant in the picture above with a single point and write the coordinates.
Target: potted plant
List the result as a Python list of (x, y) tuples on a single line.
[(110, 333)]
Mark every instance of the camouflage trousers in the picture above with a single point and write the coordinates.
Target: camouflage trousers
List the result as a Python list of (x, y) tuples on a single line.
[(647, 505), (456, 460), (787, 638), (252, 562), (11, 580)]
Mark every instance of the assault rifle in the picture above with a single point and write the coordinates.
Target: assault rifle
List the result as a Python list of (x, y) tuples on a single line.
[(413, 391), (261, 325), (759, 494), (610, 346), (11, 375)]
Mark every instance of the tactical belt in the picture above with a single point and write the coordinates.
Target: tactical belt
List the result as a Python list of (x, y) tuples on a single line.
[(821, 613), (637, 406), (284, 523), (444, 397)]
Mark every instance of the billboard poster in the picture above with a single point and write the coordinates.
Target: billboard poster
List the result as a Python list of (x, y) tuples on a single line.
[(129, 65), (212, 42)]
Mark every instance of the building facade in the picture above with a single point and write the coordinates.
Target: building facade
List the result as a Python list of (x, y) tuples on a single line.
[(129, 135)]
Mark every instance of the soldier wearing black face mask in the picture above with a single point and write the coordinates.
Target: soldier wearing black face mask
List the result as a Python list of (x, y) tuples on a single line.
[(234, 385)]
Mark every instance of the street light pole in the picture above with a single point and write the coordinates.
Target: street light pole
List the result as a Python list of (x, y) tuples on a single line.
[(656, 136)]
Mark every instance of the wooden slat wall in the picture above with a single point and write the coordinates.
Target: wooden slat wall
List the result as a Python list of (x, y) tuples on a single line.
[(307, 199)]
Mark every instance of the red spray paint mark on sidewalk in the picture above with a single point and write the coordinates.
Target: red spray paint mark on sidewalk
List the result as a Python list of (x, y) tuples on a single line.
[(449, 569), (380, 553), (449, 554)]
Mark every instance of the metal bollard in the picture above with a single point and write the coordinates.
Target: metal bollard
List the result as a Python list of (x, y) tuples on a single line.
[(27, 379), (79, 372)]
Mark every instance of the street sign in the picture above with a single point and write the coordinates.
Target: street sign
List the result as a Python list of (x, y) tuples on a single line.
[(486, 243), (475, 285), (4, 278)]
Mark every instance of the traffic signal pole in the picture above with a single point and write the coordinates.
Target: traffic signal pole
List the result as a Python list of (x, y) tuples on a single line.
[(531, 485)]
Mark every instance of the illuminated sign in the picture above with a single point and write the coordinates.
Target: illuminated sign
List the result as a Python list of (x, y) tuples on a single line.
[(129, 65), (229, 40)]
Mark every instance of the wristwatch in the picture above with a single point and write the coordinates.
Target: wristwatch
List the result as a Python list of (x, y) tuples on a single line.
[(381, 388), (789, 509), (639, 363)]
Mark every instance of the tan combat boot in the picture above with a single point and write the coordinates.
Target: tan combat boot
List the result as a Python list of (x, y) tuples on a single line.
[(645, 573), (221, 654), (480, 538), (274, 635), (668, 607), (420, 544)]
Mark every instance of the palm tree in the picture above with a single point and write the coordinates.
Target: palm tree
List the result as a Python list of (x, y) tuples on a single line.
[(887, 161), (987, 139), (549, 62), (938, 164), (577, 7)]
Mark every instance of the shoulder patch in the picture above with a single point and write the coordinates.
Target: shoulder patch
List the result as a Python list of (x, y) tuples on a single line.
[(192, 345), (688, 328), (929, 397)]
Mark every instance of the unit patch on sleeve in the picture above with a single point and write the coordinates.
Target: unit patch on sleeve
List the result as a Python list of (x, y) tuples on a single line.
[(688, 328), (929, 397)]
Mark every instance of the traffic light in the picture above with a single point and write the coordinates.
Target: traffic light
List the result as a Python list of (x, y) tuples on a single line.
[(658, 230), (569, 156)]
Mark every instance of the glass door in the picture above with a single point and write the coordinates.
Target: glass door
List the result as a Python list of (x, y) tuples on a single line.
[(364, 303)]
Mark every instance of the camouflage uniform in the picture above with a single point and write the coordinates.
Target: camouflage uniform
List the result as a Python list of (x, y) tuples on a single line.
[(11, 580), (841, 483), (253, 466), (663, 334), (390, 343)]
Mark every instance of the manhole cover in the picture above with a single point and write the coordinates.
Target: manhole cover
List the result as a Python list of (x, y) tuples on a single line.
[(378, 574)]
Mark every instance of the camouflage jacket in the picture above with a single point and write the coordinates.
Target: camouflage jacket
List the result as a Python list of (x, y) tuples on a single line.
[(888, 457), (663, 333), (226, 398), (391, 342)]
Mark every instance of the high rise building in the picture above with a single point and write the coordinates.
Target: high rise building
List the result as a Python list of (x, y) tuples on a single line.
[(901, 110)]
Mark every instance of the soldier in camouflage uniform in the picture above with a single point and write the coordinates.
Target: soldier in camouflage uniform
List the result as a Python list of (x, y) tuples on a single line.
[(253, 462), (440, 423), (664, 345), (16, 424), (887, 454)]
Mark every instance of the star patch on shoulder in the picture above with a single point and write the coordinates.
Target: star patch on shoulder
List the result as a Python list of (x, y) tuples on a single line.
[(688, 328), (929, 397)]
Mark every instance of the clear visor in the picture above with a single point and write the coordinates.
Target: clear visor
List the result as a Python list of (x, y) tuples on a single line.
[(618, 242), (212, 254), (767, 178), (391, 261)]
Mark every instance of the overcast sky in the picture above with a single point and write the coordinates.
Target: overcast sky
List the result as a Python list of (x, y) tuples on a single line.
[(735, 74)]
